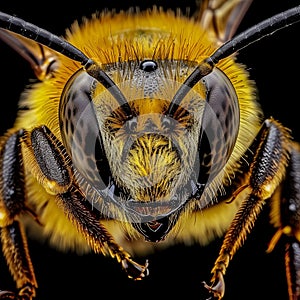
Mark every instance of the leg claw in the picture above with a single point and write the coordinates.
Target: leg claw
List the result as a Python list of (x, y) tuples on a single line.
[(135, 270), (218, 287)]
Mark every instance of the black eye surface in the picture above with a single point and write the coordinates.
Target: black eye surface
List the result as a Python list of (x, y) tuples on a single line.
[(80, 130), (220, 125), (148, 65)]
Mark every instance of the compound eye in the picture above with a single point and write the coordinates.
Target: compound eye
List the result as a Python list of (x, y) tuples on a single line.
[(148, 65), (80, 130), (220, 125)]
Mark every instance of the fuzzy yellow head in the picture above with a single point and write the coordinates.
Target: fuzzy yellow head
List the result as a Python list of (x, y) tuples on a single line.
[(150, 155), (144, 165)]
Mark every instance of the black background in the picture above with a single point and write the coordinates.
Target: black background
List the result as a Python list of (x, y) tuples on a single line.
[(253, 274)]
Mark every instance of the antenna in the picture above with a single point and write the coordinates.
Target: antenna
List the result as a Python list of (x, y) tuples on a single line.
[(241, 41), (62, 46)]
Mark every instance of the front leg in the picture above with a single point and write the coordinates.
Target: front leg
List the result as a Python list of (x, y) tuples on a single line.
[(285, 215), (86, 219), (269, 155), (15, 250), (51, 166), (12, 205)]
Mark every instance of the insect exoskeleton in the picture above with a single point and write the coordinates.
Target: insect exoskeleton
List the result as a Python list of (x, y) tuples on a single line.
[(144, 158), (143, 127)]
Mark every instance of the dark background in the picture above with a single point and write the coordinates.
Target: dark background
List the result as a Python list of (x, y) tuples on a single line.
[(253, 274)]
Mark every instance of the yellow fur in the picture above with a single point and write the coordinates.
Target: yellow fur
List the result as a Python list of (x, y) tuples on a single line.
[(108, 38)]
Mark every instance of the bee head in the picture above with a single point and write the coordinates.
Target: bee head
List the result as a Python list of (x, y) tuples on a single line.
[(149, 162), (126, 150)]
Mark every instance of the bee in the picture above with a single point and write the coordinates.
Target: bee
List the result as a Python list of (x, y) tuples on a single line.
[(142, 131)]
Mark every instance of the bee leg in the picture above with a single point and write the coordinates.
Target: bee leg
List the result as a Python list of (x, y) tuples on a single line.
[(82, 215), (285, 215), (291, 223), (15, 250), (12, 204), (292, 262), (270, 152), (51, 166)]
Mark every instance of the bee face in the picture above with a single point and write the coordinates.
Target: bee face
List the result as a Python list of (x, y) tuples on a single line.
[(153, 160)]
